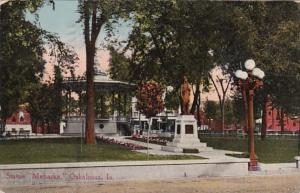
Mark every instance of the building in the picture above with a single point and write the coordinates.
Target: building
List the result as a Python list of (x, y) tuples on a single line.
[(273, 115), (19, 121)]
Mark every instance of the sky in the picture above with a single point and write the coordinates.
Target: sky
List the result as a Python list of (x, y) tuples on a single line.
[(62, 21)]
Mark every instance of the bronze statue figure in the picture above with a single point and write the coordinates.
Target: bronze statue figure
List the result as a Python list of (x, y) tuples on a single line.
[(185, 96)]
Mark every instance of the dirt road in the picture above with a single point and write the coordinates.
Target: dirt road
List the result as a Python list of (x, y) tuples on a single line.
[(253, 184)]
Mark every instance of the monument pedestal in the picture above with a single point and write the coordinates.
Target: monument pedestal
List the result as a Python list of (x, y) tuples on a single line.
[(185, 136)]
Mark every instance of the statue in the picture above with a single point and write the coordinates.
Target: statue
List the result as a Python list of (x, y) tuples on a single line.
[(186, 130), (185, 96)]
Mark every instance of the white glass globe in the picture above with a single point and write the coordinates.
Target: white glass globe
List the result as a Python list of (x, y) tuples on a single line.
[(238, 73), (241, 74), (262, 75), (249, 64), (258, 73), (170, 88), (244, 75)]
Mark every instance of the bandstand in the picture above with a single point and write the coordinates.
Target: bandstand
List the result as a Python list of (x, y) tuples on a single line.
[(119, 92)]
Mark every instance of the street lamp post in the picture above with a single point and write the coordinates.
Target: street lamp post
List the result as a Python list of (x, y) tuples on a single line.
[(249, 81), (298, 135)]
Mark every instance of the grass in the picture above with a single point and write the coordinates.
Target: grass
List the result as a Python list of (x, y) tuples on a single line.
[(267, 151), (69, 150)]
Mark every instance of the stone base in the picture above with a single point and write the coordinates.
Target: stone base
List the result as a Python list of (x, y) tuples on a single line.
[(180, 149), (186, 136), (177, 145)]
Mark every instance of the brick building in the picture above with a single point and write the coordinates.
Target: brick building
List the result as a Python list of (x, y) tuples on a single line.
[(291, 124), (19, 121)]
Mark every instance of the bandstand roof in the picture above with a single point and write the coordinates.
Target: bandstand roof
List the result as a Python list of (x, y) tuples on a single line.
[(102, 83)]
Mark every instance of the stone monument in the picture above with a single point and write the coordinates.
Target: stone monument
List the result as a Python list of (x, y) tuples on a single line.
[(186, 134)]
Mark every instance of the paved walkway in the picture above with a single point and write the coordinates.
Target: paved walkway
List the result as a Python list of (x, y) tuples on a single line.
[(215, 154), (156, 150)]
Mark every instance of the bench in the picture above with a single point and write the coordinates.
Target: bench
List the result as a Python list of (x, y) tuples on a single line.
[(24, 133), (12, 133)]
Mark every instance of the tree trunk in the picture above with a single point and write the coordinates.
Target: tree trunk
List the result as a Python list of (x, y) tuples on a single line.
[(244, 94), (282, 121), (223, 117), (264, 118), (196, 96), (198, 110), (222, 99), (32, 126), (91, 33), (90, 95)]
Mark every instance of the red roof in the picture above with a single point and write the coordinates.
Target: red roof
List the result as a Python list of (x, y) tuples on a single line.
[(21, 117)]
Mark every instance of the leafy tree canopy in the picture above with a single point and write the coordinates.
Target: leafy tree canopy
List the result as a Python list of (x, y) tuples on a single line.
[(23, 45)]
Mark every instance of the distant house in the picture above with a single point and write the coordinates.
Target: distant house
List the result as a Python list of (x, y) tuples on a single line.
[(19, 121), (273, 121)]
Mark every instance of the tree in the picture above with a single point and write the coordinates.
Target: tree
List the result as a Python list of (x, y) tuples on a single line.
[(224, 83), (95, 15), (171, 39), (266, 32), (23, 45), (118, 65), (150, 102), (149, 98), (46, 103), (210, 109), (18, 56), (238, 106), (283, 81), (57, 97)]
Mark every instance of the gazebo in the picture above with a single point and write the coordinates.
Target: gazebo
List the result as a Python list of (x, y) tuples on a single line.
[(116, 123)]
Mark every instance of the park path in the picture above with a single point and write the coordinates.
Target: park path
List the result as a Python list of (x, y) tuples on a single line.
[(249, 184), (155, 149), (219, 155)]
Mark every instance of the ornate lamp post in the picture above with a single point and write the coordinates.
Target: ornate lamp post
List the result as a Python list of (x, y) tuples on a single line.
[(298, 119), (249, 81)]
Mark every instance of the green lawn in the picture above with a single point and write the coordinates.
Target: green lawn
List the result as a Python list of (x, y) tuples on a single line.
[(68, 150), (268, 151)]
